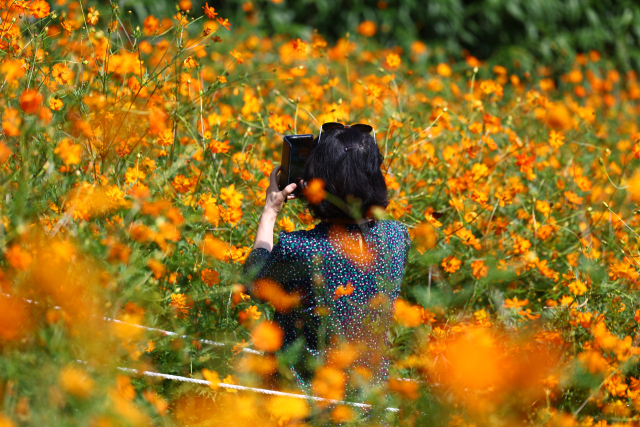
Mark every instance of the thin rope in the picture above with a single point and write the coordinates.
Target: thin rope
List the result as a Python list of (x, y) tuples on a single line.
[(209, 383), (244, 388), (135, 325)]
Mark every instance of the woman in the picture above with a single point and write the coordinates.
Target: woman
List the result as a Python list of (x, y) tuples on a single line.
[(346, 271)]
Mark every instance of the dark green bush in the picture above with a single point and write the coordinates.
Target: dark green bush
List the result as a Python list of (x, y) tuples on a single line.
[(551, 31)]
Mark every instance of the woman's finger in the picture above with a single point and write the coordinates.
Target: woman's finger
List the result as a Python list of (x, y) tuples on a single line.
[(288, 189), (273, 175)]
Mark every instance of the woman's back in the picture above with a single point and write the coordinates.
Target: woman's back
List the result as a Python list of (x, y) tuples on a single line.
[(348, 277)]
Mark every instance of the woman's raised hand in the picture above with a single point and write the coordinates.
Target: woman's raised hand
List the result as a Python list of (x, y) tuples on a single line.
[(275, 198)]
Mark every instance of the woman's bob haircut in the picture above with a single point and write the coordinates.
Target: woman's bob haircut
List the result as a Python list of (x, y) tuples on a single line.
[(349, 162)]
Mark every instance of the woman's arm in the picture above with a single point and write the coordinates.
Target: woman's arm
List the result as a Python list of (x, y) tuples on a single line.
[(272, 206)]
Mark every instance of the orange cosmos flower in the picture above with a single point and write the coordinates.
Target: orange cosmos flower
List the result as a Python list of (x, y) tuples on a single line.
[(182, 184), (299, 46), (573, 198), (633, 187), (342, 291), (374, 90), (251, 313), (165, 138), (62, 74), (215, 247), (12, 69), (68, 26), (560, 118), (556, 139), (219, 146), (181, 304), (543, 207), (270, 291), (278, 123), (39, 9), (367, 28), (68, 152), (157, 268), (11, 122), (93, 16), (329, 383), (190, 63), (150, 25), (55, 104), (479, 269), (314, 191), (406, 388), (425, 236), (432, 220), (267, 336), (407, 314), (14, 319), (451, 264), (76, 381), (210, 12), (226, 24), (352, 246), (237, 56), (30, 101), (231, 197), (210, 277), (286, 224), (515, 303), (444, 69), (213, 378), (577, 287), (393, 60)]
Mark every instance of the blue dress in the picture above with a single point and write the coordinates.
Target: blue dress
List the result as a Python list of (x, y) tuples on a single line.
[(348, 277)]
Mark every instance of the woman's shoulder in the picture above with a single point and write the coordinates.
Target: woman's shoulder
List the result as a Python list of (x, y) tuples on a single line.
[(393, 226), (298, 239)]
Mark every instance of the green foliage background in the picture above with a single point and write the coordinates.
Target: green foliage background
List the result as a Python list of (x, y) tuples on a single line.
[(550, 31)]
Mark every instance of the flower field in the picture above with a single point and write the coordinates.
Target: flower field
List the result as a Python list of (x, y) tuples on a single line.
[(134, 163)]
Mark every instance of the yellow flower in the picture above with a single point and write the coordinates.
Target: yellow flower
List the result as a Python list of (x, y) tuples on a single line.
[(76, 381), (443, 69), (212, 377), (577, 287), (62, 74), (367, 28), (314, 191), (393, 60), (252, 312), (92, 16), (406, 314), (556, 139), (286, 224), (68, 152), (55, 104), (230, 380), (451, 264), (231, 197), (267, 336), (190, 63)]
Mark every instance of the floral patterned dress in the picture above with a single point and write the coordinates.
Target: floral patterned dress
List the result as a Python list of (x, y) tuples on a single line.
[(348, 277)]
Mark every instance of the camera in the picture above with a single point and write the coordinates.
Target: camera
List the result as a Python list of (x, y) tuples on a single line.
[(296, 150)]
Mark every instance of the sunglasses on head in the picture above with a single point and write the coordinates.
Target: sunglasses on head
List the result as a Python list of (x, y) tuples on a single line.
[(366, 129)]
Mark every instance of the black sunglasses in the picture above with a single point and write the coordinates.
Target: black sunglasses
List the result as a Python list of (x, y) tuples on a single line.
[(366, 129)]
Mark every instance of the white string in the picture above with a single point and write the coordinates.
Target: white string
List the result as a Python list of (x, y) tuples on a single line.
[(243, 388), (220, 344), (208, 383), (135, 325)]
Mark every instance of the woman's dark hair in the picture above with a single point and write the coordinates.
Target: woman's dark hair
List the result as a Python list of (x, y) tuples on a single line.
[(352, 175)]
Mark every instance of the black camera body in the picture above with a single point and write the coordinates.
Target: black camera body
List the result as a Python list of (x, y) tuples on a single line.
[(295, 153)]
